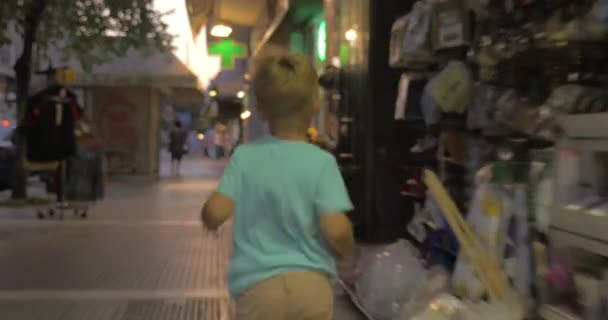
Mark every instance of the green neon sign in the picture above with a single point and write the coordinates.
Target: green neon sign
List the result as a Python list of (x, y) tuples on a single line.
[(229, 51), (322, 41)]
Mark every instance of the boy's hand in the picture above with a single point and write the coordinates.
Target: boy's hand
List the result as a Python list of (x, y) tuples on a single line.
[(217, 210), (348, 271)]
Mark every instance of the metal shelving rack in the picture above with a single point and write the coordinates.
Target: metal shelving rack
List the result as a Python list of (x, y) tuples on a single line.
[(579, 227)]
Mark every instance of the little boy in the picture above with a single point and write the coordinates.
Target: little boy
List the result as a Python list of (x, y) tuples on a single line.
[(289, 202)]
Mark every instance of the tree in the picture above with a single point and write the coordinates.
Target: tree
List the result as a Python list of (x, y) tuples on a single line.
[(93, 31)]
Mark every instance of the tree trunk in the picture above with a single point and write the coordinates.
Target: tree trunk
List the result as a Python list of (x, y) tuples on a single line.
[(23, 72)]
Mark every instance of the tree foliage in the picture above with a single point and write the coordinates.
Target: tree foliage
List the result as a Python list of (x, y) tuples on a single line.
[(90, 30)]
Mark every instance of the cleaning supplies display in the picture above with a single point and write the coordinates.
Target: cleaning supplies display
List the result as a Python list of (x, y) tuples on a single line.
[(410, 38)]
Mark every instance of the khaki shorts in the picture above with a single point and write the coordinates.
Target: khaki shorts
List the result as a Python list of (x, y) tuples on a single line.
[(290, 296)]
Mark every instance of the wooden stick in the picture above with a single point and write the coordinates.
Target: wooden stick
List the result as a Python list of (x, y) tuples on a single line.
[(483, 262)]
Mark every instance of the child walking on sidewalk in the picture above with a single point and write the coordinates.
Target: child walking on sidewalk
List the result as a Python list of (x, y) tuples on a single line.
[(288, 200)]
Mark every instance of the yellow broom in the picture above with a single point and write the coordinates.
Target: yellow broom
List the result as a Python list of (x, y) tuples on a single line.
[(484, 263)]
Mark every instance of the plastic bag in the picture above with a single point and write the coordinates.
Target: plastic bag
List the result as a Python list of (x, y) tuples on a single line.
[(443, 307), (452, 88), (435, 283), (410, 37), (430, 110), (488, 218), (447, 307), (390, 280), (452, 26)]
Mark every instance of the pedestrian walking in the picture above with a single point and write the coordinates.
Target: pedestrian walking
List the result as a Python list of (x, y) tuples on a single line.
[(177, 146)]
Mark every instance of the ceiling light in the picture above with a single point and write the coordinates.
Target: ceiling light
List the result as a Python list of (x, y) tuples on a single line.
[(221, 31), (241, 94), (246, 114), (351, 35), (213, 93)]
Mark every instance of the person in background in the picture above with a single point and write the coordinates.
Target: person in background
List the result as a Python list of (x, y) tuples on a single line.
[(177, 146), (288, 200)]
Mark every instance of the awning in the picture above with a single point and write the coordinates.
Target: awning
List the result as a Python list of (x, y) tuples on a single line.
[(240, 12), (136, 69)]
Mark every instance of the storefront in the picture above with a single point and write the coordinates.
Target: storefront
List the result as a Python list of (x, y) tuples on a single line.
[(475, 132)]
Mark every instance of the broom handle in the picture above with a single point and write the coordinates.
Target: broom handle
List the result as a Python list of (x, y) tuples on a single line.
[(482, 262)]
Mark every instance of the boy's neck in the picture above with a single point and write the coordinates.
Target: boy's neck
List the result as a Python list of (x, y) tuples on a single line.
[(289, 131), (289, 136)]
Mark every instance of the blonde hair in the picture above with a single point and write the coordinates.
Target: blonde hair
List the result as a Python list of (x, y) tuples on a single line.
[(285, 86)]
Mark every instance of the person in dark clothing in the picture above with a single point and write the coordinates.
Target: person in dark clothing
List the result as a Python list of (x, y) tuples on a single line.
[(177, 146)]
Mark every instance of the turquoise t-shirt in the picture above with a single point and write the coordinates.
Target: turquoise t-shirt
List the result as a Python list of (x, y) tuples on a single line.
[(280, 189)]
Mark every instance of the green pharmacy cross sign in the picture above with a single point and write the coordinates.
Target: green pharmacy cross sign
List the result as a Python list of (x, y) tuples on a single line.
[(229, 51)]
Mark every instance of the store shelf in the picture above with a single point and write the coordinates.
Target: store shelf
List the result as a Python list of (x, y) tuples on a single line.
[(585, 144), (585, 223), (591, 125), (568, 239), (548, 312)]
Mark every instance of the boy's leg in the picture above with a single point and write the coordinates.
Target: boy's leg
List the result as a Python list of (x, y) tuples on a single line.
[(311, 296), (266, 300), (291, 296)]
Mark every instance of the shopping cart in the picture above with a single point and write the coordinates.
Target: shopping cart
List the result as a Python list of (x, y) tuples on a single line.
[(77, 183)]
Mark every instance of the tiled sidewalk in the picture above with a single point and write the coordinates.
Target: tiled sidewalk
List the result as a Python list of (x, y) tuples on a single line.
[(141, 255)]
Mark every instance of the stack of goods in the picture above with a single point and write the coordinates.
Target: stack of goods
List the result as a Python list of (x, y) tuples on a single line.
[(495, 81)]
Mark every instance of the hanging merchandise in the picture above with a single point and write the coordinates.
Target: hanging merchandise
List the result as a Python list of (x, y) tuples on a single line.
[(576, 99), (49, 125), (390, 280), (410, 37), (588, 27), (452, 24), (430, 110), (408, 103), (481, 113), (519, 265), (452, 88), (521, 115), (488, 219)]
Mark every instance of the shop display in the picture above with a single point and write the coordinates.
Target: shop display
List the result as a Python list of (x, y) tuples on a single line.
[(452, 24), (513, 139), (483, 261), (451, 88), (410, 38), (488, 220), (411, 88)]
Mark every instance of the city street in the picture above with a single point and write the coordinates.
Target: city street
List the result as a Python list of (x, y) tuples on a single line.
[(142, 254)]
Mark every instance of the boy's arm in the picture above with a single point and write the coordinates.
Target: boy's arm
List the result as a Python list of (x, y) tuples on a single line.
[(220, 205), (332, 202), (217, 210), (337, 230)]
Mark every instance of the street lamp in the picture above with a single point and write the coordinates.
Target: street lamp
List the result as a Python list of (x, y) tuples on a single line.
[(241, 94), (213, 93), (245, 115), (221, 31), (351, 35)]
